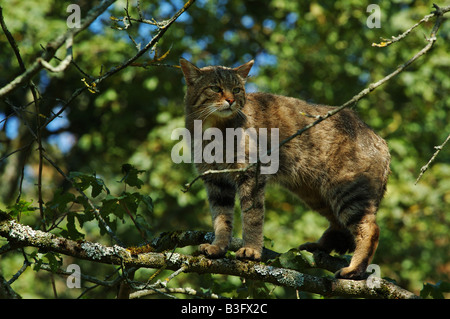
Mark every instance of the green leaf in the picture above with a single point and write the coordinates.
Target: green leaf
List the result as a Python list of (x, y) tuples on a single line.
[(38, 264), (72, 231), (21, 207), (54, 261), (84, 181), (131, 176), (296, 260), (60, 201), (268, 242), (58, 205), (96, 188), (80, 180), (84, 202), (130, 201), (147, 200), (112, 205)]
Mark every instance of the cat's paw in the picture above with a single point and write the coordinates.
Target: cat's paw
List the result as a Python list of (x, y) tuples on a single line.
[(248, 253), (355, 273), (212, 251)]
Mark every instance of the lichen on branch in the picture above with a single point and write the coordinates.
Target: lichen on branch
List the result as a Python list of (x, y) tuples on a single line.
[(20, 235)]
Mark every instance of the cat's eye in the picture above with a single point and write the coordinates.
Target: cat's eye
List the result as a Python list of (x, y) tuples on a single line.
[(216, 89), (236, 90)]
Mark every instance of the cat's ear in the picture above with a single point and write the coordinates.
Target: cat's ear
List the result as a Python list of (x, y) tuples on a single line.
[(190, 71), (244, 69)]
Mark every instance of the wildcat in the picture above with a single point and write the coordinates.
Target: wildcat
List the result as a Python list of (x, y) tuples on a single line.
[(338, 168)]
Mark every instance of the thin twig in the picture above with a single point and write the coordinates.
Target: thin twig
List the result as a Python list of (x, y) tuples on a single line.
[(51, 49), (24, 267), (40, 151), (11, 41), (185, 291), (16, 151), (65, 105), (438, 11), (104, 76), (65, 62), (425, 167), (162, 29), (36, 100)]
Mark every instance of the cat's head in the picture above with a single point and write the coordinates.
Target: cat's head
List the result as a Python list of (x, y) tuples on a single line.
[(214, 92)]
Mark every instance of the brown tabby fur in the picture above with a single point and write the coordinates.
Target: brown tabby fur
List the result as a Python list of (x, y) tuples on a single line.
[(338, 168)]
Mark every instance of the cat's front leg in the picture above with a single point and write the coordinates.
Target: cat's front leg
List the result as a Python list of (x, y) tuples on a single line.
[(221, 195), (251, 195)]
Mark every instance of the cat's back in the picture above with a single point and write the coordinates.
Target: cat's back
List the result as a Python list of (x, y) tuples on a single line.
[(341, 145), (280, 105), (276, 111), (290, 114)]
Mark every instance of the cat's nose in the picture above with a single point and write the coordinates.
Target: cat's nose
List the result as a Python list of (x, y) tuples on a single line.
[(230, 101)]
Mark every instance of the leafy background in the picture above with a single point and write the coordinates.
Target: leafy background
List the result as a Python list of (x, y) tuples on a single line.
[(319, 51)]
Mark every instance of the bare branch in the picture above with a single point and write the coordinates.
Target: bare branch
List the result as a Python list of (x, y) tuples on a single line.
[(185, 291), (64, 63), (386, 42), (11, 41), (425, 167), (162, 29), (104, 76), (6, 292), (51, 49)]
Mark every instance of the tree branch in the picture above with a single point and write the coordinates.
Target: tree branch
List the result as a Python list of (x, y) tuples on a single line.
[(21, 235), (95, 82), (425, 167), (162, 28), (68, 38), (185, 291), (179, 239), (51, 49), (438, 11), (6, 292)]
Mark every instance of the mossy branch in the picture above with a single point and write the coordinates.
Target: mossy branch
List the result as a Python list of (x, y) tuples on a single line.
[(20, 235)]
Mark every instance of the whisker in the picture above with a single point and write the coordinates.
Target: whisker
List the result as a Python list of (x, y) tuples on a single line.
[(202, 113), (199, 111), (212, 110), (241, 114)]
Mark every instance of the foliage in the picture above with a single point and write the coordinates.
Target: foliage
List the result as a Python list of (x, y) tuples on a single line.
[(319, 51), (435, 291)]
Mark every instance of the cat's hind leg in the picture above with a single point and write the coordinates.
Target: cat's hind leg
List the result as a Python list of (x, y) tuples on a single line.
[(355, 206), (334, 238), (366, 234)]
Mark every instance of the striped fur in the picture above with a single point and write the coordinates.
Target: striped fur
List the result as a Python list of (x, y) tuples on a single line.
[(338, 168)]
